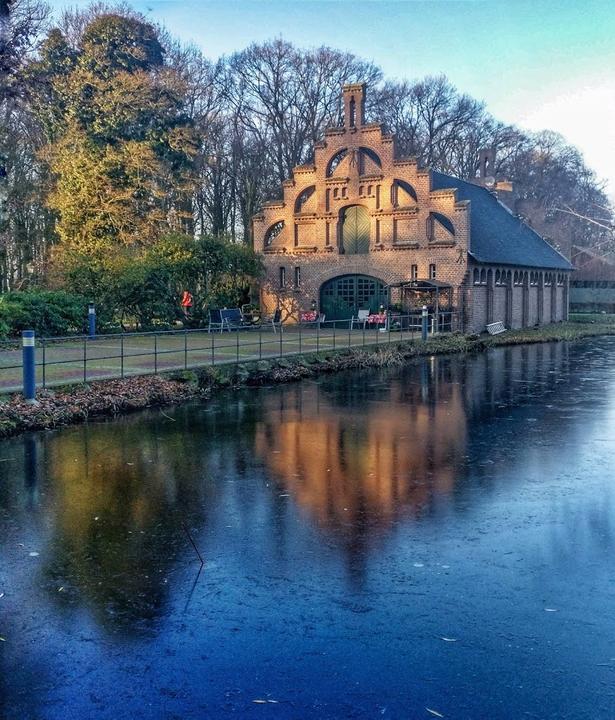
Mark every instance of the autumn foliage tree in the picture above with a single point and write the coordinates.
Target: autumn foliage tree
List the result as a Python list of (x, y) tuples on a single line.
[(120, 147)]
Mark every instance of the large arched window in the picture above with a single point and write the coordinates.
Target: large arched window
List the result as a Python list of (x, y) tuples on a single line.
[(273, 232), (342, 297)]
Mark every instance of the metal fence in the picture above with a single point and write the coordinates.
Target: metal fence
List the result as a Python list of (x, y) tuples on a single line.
[(62, 360)]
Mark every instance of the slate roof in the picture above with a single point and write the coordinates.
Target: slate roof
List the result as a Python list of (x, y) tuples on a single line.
[(496, 235)]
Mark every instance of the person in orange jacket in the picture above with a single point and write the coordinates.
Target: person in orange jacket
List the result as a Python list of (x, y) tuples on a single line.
[(187, 302)]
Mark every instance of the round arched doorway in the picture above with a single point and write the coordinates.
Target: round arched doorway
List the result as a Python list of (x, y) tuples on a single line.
[(354, 230), (342, 297)]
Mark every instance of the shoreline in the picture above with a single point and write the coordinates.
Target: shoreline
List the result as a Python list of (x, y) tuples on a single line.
[(70, 405)]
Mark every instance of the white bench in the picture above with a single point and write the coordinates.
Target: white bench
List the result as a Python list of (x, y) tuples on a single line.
[(495, 328)]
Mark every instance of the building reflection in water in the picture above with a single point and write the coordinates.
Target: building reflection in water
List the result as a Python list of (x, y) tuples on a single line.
[(357, 455), (355, 452)]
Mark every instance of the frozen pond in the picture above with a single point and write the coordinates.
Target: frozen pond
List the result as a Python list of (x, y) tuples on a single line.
[(435, 540)]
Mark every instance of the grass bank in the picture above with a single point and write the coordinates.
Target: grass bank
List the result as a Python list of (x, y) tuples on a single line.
[(79, 403)]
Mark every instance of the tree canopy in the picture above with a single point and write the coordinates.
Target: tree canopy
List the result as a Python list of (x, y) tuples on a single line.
[(114, 135)]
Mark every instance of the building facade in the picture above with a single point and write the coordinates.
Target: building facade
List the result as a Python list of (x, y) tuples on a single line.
[(361, 227)]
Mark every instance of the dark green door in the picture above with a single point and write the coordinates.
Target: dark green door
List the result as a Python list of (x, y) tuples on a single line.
[(342, 297), (355, 230)]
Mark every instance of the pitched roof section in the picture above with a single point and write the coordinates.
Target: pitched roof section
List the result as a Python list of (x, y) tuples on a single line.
[(496, 235)]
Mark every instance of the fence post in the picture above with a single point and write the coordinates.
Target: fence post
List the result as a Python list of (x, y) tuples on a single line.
[(281, 348), (334, 324), (85, 359), (299, 333), (185, 349), (92, 320), (121, 356), (318, 335), (155, 354), (260, 342), (213, 348), (237, 350), (424, 321), (28, 352)]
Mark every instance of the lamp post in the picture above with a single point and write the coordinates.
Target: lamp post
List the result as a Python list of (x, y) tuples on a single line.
[(92, 320), (29, 366)]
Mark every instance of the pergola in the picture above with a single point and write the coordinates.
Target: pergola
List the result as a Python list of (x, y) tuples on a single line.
[(435, 294), (430, 292)]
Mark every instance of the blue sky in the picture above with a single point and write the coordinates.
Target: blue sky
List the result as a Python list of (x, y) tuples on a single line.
[(537, 63)]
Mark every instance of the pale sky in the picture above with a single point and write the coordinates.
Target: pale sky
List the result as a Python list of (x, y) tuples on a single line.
[(541, 64)]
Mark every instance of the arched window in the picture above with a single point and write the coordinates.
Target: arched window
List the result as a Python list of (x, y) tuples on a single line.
[(483, 277), (364, 153), (436, 219), (402, 193), (303, 197), (476, 276), (358, 158), (498, 277), (273, 232), (335, 161)]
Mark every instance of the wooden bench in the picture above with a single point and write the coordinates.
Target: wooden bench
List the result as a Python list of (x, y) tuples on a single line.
[(495, 328)]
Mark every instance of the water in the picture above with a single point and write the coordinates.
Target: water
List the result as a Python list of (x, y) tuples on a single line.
[(394, 543)]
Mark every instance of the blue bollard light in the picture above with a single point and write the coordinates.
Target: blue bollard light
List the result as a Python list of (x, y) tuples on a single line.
[(29, 365), (92, 320), (424, 320)]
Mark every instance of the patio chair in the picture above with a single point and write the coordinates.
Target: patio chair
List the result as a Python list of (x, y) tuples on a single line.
[(215, 321), (360, 319), (232, 319), (274, 320)]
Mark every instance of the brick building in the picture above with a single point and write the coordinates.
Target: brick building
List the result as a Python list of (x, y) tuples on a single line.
[(360, 227)]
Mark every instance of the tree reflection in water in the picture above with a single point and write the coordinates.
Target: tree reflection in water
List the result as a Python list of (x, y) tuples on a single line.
[(355, 452)]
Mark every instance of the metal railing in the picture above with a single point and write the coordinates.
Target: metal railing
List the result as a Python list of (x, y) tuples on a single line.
[(66, 360)]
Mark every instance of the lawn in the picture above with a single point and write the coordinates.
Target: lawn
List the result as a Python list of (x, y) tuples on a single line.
[(113, 356)]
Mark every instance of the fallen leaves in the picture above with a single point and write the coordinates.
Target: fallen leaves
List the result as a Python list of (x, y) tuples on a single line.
[(99, 399)]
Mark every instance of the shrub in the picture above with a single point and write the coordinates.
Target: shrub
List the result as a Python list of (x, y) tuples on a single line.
[(47, 312)]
